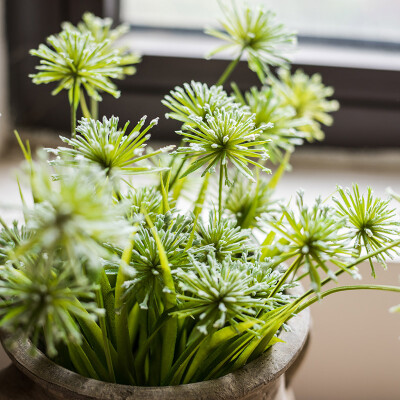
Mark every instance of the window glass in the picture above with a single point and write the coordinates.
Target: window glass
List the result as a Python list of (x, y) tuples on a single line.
[(371, 20)]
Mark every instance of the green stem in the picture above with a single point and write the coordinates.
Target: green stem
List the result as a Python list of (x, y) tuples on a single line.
[(346, 288), (176, 176), (229, 69), (106, 343), (73, 121), (221, 179), (84, 107), (280, 171), (73, 110), (94, 108), (353, 264), (296, 263), (169, 331), (125, 357)]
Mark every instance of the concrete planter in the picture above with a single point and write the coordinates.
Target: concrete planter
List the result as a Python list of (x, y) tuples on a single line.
[(38, 378)]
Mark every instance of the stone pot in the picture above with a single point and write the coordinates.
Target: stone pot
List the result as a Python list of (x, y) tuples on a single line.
[(266, 378)]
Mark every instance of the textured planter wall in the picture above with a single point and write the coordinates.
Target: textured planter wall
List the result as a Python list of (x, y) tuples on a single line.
[(262, 379)]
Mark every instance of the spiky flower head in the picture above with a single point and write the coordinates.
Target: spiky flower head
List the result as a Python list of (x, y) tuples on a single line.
[(372, 223), (223, 236), (145, 266), (309, 97), (75, 60), (10, 238), (112, 149), (217, 293), (146, 199), (196, 100), (256, 33), (284, 127), (42, 296), (74, 212), (314, 236), (101, 30), (247, 201), (226, 136)]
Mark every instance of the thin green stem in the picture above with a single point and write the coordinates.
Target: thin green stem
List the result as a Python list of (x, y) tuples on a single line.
[(346, 288), (353, 264), (73, 121), (94, 108), (84, 107), (73, 110), (106, 343), (280, 171), (221, 181), (296, 263), (176, 176), (169, 331), (229, 69), (125, 357)]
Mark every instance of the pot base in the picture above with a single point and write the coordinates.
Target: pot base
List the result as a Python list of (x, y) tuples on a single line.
[(14, 385)]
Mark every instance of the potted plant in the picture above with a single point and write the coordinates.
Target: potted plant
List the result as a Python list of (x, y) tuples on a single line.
[(187, 287)]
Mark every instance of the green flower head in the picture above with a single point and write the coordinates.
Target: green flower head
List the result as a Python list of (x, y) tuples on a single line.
[(76, 60), (144, 199), (216, 293), (74, 212), (313, 236), (247, 201), (225, 136), (223, 236), (285, 132), (372, 223), (309, 97), (257, 33), (10, 238), (101, 30), (196, 100), (108, 147), (42, 296), (145, 267)]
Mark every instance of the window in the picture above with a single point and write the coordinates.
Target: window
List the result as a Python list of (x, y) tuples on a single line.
[(369, 20), (354, 44)]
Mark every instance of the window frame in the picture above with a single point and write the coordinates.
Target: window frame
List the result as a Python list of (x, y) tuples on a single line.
[(369, 116)]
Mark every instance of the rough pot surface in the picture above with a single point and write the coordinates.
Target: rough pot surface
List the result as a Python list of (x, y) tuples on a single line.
[(262, 379)]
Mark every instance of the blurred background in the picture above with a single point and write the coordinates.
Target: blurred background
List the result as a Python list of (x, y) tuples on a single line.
[(355, 46)]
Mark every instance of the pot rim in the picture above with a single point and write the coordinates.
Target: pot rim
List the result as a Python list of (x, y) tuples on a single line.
[(259, 372)]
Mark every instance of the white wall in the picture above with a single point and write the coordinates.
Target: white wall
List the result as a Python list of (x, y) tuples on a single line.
[(354, 351)]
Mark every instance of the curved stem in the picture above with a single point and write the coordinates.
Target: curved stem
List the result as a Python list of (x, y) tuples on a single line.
[(84, 107), (353, 264), (229, 69), (346, 288)]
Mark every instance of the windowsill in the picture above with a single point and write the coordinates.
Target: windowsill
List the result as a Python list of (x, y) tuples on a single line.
[(315, 170), (190, 45)]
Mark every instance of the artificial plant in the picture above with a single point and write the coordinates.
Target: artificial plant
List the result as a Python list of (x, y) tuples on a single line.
[(161, 285)]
